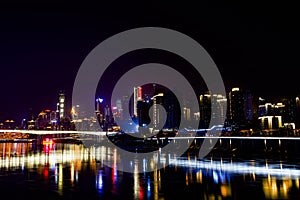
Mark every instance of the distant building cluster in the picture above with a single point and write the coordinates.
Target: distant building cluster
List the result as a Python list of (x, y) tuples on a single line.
[(45, 120), (238, 111), (58, 119), (249, 112)]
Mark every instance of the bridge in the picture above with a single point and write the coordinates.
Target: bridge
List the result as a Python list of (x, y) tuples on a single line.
[(50, 132), (231, 145), (104, 133)]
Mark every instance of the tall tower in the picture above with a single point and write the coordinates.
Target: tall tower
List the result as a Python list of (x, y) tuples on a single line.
[(297, 111), (137, 96), (157, 115), (221, 108), (140, 94), (205, 110), (236, 107), (62, 105), (248, 106)]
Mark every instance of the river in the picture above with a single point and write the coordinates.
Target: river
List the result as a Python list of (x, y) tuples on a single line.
[(74, 171)]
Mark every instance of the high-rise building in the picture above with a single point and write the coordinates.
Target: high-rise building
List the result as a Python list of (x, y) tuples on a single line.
[(75, 112), (280, 114), (297, 111), (236, 107), (248, 106), (205, 110), (137, 96), (219, 104), (221, 108), (140, 93), (143, 113), (172, 108), (135, 101), (99, 109), (187, 113), (119, 109), (61, 105), (290, 109), (107, 112), (157, 112), (270, 122)]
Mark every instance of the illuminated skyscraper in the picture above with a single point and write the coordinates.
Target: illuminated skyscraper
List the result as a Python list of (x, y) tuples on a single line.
[(119, 109), (157, 112), (290, 109), (221, 108), (216, 103), (98, 106), (248, 106), (297, 105), (61, 105), (140, 93), (236, 107), (205, 110), (137, 96)]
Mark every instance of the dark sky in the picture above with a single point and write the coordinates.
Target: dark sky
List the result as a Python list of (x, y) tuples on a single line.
[(43, 43)]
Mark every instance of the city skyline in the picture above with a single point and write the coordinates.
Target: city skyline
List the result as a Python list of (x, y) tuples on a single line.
[(240, 109), (42, 47)]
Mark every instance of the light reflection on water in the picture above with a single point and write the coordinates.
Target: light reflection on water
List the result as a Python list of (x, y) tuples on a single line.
[(71, 170)]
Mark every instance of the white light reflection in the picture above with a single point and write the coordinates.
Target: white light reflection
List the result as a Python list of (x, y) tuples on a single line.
[(278, 169), (215, 177), (100, 180), (76, 176), (144, 165)]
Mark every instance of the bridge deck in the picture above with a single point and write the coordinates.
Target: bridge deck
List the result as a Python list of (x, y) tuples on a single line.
[(99, 133)]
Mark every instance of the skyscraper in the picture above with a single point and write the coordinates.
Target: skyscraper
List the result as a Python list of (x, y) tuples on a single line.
[(137, 96), (297, 105), (205, 110), (135, 99), (248, 106), (157, 112), (212, 102), (236, 107), (61, 105)]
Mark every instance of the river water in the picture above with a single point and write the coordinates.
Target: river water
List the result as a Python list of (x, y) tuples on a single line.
[(74, 171)]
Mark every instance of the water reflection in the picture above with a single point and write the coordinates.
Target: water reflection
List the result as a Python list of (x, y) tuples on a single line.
[(73, 171)]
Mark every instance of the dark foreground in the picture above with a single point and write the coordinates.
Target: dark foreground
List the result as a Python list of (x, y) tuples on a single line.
[(72, 171)]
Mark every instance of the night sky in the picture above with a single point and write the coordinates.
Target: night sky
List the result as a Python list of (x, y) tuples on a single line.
[(43, 43)]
